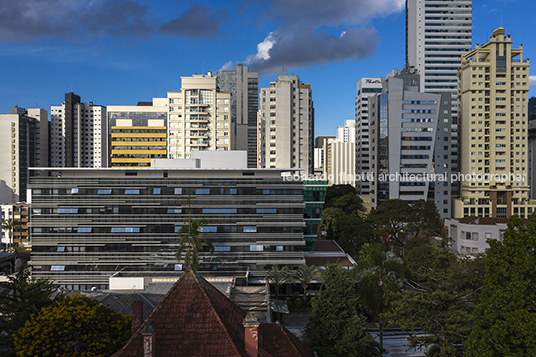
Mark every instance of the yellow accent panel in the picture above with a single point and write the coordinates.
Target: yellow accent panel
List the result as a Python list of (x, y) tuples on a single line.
[(129, 160), (139, 135), (139, 143), (140, 127), (134, 152)]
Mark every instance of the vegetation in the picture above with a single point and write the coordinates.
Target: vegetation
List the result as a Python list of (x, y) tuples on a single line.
[(438, 299), (505, 318), (305, 275), (190, 243), (379, 272), (26, 297), (342, 219), (9, 225), (76, 327), (334, 328)]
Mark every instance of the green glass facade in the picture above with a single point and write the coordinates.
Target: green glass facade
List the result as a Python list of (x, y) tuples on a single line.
[(314, 194)]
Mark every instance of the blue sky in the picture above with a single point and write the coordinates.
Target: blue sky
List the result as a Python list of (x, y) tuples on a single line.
[(119, 52)]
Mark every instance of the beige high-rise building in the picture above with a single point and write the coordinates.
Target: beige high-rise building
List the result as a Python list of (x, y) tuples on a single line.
[(493, 85), (287, 128), (199, 117)]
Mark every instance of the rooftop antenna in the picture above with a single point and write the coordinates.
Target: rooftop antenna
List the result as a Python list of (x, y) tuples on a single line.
[(203, 67), (501, 21)]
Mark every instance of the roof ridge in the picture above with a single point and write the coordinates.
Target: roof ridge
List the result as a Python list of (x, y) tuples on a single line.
[(215, 312)]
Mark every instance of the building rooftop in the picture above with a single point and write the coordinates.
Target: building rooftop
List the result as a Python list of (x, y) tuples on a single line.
[(195, 319)]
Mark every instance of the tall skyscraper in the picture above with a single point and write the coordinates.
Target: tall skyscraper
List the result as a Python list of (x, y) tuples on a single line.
[(199, 117), (78, 133), (366, 87), (408, 132), (23, 144), (287, 118), (137, 134), (244, 89), (493, 108), (438, 32)]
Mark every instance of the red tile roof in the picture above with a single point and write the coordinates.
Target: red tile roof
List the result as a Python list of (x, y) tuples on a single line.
[(195, 319)]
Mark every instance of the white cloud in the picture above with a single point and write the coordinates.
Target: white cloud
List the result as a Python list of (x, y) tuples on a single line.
[(532, 81)]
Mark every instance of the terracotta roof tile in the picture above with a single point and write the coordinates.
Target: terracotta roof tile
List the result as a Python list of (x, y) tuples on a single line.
[(195, 319)]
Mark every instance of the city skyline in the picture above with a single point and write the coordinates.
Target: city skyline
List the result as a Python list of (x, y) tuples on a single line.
[(119, 53)]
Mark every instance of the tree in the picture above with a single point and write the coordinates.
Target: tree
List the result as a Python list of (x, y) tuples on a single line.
[(26, 296), (277, 277), (391, 217), (438, 302), (378, 273), (334, 328), (74, 326), (8, 225), (190, 244), (505, 318), (343, 221), (305, 275)]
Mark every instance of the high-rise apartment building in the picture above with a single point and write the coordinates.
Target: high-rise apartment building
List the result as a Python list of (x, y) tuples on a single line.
[(244, 88), (493, 99), (343, 151), (438, 32), (322, 156), (199, 117), (78, 133), (23, 144), (287, 116), (366, 87), (409, 136), (137, 134), (18, 212)]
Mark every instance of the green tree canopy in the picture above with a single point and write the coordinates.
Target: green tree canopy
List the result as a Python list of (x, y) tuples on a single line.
[(334, 328), (9, 225), (505, 318), (343, 221), (190, 243), (73, 327), (379, 272), (438, 301), (26, 297), (396, 216)]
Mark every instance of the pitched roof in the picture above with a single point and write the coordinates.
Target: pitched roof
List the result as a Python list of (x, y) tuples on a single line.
[(195, 319)]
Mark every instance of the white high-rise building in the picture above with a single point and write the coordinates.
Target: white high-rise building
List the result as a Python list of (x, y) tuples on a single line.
[(438, 33), (78, 134), (366, 88), (199, 117), (23, 144), (287, 125)]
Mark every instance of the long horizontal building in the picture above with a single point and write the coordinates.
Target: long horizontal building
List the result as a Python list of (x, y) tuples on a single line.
[(89, 224)]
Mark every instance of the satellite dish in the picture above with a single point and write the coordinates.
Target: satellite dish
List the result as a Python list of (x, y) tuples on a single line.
[(412, 70)]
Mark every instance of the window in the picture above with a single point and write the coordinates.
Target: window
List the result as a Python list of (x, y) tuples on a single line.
[(219, 210), (256, 248), (178, 191), (177, 228), (202, 191), (209, 229), (266, 210), (84, 229), (174, 210), (249, 229), (67, 210), (232, 191), (279, 248), (61, 249), (74, 191), (222, 249), (57, 268), (265, 192), (157, 191), (474, 236), (132, 192), (488, 236), (104, 192), (125, 229)]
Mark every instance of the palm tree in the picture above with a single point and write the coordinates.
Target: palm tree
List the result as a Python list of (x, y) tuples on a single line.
[(190, 243), (378, 272), (8, 225), (305, 274), (278, 276)]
